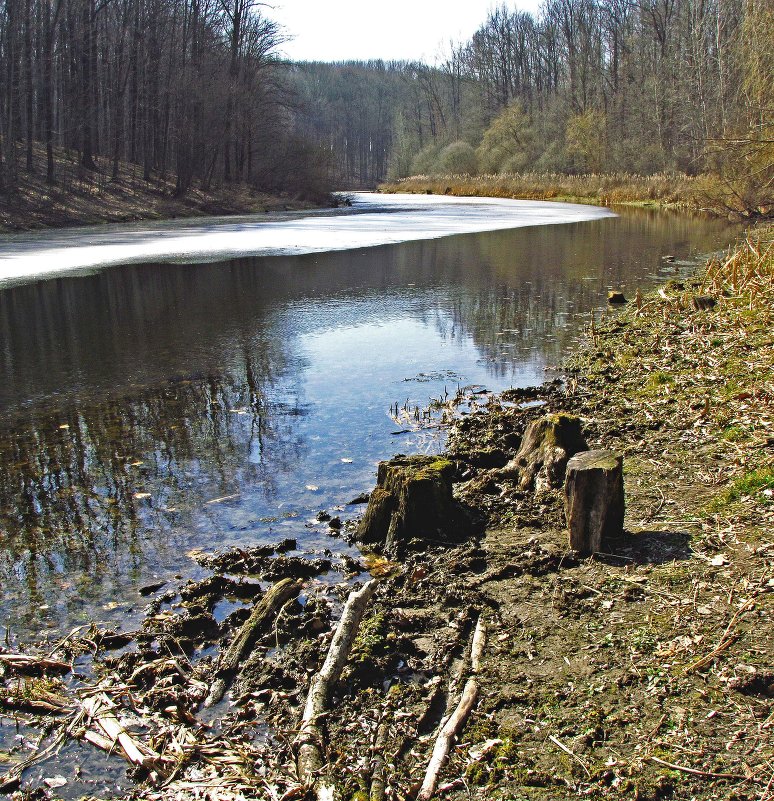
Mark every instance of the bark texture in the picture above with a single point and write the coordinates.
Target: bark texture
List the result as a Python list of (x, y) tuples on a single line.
[(413, 503), (594, 499), (548, 443)]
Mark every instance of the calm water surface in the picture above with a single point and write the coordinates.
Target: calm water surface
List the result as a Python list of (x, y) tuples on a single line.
[(148, 410)]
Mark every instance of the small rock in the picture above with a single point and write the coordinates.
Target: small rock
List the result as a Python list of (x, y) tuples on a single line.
[(323, 517), (335, 523), (703, 302), (149, 589), (362, 498)]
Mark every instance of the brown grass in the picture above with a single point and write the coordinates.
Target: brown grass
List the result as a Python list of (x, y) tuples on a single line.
[(665, 189)]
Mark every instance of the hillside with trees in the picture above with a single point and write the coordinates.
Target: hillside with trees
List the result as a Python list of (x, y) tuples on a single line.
[(584, 86), (176, 97), (190, 92)]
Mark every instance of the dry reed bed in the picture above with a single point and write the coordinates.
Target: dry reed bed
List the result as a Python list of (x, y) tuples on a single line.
[(666, 189)]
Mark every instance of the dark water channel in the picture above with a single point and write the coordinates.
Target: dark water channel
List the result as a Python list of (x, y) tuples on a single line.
[(149, 410)]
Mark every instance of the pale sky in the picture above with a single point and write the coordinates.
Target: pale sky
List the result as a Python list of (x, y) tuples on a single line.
[(343, 30)]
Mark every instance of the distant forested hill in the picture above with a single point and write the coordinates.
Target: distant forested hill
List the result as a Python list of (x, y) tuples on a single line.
[(193, 89), (583, 86)]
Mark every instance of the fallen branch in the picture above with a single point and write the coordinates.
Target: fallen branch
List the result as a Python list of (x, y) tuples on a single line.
[(446, 738), (704, 773), (308, 743), (38, 664), (478, 645), (378, 763), (559, 744), (725, 641), (264, 611)]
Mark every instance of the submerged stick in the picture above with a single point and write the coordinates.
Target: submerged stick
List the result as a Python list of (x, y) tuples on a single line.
[(264, 611), (309, 758)]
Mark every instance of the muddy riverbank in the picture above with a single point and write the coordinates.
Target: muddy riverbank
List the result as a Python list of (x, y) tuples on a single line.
[(641, 672)]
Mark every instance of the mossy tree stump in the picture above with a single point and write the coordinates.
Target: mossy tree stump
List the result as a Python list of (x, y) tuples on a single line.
[(594, 499), (546, 447), (413, 502)]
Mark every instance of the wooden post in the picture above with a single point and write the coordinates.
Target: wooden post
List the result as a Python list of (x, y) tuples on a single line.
[(594, 499)]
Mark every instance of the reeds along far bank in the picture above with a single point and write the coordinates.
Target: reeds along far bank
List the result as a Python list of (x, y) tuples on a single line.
[(676, 190)]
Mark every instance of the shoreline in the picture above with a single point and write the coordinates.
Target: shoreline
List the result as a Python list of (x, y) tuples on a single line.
[(666, 191), (642, 672), (61, 215)]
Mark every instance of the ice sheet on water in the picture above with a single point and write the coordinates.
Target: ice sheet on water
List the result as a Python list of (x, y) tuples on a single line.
[(372, 220)]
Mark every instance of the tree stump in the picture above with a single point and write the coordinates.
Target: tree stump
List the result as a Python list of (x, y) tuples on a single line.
[(548, 444), (594, 499), (413, 502)]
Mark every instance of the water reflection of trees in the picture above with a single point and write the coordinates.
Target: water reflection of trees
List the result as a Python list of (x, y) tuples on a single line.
[(92, 492), (183, 382), (517, 292)]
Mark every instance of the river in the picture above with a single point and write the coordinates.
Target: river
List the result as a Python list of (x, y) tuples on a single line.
[(169, 388)]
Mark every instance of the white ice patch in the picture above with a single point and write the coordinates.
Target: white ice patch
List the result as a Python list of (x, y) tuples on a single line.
[(373, 220)]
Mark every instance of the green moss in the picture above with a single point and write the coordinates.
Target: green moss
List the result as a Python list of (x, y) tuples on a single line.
[(371, 641), (732, 434), (659, 379), (751, 484)]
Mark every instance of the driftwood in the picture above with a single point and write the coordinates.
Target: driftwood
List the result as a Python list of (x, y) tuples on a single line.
[(457, 718), (309, 751), (594, 499), (264, 611), (446, 738), (25, 663)]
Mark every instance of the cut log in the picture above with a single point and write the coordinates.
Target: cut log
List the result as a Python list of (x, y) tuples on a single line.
[(309, 742), (548, 444), (594, 499), (413, 502), (263, 612)]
